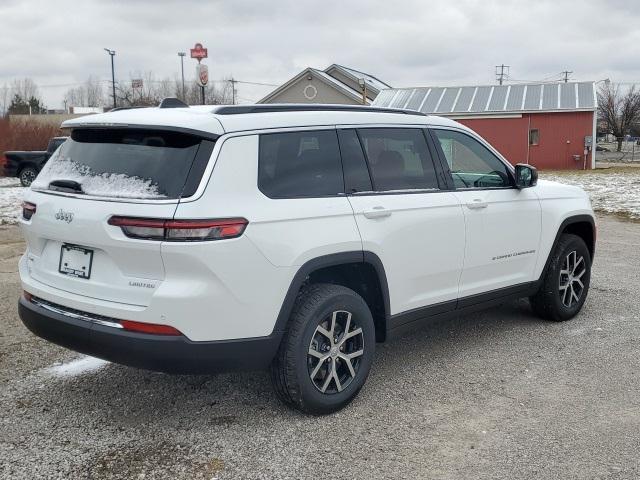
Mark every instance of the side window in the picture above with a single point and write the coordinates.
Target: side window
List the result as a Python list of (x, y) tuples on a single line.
[(300, 164), (472, 165), (399, 159), (356, 173)]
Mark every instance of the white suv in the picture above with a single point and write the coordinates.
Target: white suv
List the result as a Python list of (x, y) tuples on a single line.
[(292, 236)]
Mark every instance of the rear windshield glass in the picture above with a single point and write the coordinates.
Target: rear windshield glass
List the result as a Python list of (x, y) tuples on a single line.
[(125, 163)]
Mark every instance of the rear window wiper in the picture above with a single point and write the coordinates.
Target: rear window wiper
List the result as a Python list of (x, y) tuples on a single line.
[(70, 186)]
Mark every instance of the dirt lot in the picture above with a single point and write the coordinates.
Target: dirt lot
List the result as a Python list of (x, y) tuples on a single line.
[(497, 395)]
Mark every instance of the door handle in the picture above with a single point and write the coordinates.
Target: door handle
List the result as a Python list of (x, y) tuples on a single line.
[(477, 204), (377, 212)]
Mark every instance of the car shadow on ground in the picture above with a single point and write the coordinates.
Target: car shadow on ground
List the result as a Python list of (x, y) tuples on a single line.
[(126, 397)]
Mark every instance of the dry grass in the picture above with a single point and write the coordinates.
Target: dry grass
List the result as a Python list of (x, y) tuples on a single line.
[(25, 135)]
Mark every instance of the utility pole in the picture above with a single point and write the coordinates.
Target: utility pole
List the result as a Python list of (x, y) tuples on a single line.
[(113, 75), (503, 73), (566, 74), (181, 55), (233, 82)]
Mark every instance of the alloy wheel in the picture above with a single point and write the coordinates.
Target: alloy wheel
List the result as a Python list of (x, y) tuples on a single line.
[(27, 177), (335, 352), (571, 285)]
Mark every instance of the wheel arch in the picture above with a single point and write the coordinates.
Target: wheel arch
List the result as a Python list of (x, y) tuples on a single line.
[(584, 226), (360, 271), (27, 164)]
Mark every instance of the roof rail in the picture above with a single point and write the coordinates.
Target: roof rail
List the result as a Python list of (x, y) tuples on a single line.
[(172, 102), (302, 107)]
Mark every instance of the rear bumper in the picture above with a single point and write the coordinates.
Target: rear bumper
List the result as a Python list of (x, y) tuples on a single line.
[(9, 169), (152, 352)]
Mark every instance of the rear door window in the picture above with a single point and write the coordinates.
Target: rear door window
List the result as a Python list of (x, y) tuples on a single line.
[(128, 163), (300, 164), (399, 159)]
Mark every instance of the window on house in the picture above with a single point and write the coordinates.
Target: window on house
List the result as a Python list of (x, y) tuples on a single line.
[(534, 136)]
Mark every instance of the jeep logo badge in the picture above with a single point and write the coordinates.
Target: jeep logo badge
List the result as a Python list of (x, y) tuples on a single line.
[(64, 216)]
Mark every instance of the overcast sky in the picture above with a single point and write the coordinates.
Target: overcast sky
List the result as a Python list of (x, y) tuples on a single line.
[(405, 43)]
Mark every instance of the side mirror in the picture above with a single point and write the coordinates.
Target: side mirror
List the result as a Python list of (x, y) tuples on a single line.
[(526, 175)]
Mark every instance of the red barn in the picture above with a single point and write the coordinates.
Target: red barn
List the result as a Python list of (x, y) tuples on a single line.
[(549, 125)]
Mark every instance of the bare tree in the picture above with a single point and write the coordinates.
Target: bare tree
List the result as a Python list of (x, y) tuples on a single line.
[(89, 94), (620, 111), (95, 92), (152, 91), (212, 95), (25, 88), (146, 93), (4, 99)]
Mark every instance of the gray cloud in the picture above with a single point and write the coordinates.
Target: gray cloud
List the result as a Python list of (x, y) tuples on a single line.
[(412, 42)]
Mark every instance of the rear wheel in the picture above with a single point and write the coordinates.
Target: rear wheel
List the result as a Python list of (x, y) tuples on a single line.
[(327, 351), (27, 176), (566, 283)]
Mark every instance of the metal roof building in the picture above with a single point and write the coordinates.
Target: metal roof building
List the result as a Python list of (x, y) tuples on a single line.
[(550, 125)]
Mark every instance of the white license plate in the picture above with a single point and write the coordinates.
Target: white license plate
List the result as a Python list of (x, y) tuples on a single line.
[(75, 261)]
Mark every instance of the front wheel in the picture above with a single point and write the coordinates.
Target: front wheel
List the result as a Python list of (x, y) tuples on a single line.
[(327, 351), (566, 282)]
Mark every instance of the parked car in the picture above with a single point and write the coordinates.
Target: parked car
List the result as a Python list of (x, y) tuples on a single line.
[(25, 165), (293, 237)]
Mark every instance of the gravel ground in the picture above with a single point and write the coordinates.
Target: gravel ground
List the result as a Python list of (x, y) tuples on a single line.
[(495, 395)]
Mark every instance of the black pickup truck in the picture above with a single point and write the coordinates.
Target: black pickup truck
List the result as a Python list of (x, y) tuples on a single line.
[(26, 165)]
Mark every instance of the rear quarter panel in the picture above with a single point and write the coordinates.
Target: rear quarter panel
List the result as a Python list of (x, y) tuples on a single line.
[(244, 281)]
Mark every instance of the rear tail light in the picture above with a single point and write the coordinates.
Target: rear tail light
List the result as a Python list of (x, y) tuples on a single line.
[(28, 210), (152, 328), (180, 230)]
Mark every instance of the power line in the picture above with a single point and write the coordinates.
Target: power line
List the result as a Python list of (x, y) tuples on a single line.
[(257, 83), (566, 74)]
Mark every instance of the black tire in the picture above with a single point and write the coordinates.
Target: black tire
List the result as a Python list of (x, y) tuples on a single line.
[(551, 302), (27, 175), (293, 366)]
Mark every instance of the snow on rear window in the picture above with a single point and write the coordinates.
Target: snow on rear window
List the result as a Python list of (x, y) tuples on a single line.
[(105, 184), (123, 163)]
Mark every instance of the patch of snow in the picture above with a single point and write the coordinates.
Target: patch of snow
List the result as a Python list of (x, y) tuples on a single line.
[(76, 367), (611, 192), (116, 185), (11, 193)]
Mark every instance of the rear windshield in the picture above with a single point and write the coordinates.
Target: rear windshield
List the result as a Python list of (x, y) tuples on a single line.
[(127, 163)]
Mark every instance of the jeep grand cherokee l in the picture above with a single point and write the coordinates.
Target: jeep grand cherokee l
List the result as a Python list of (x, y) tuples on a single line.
[(292, 237)]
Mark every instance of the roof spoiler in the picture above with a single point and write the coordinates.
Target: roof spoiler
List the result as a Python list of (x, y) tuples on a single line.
[(172, 102)]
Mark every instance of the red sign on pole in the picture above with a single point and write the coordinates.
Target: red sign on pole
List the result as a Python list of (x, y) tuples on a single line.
[(202, 74), (198, 52)]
